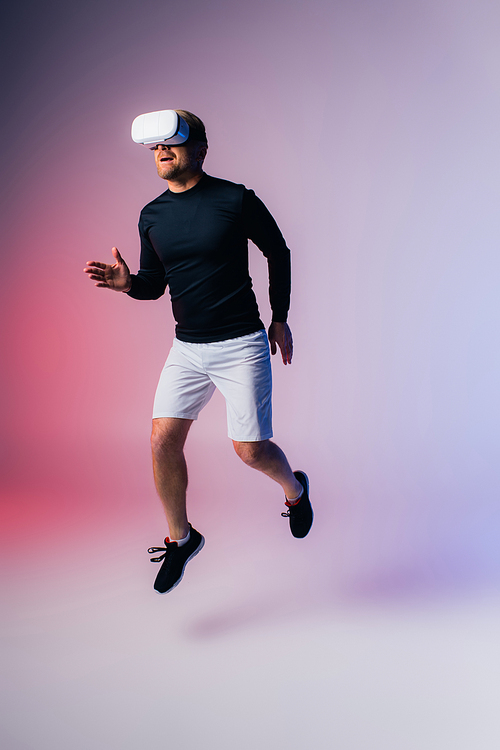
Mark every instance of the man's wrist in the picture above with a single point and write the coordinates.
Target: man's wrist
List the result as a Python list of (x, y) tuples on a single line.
[(125, 291)]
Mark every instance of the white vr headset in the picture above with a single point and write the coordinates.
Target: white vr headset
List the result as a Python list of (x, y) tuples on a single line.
[(166, 127)]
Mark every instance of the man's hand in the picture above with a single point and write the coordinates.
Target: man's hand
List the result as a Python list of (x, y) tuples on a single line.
[(280, 334), (115, 277)]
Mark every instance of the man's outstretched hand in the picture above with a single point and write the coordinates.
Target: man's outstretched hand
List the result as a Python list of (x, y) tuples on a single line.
[(280, 334), (115, 277)]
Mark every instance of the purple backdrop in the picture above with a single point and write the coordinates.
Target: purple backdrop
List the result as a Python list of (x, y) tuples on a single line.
[(371, 132)]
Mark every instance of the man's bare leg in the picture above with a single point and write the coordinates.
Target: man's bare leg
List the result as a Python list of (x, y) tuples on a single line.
[(170, 471), (267, 457)]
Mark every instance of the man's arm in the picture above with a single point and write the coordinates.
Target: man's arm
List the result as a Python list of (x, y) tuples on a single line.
[(264, 232), (150, 281)]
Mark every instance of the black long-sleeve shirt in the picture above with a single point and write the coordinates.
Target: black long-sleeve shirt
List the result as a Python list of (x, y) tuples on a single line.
[(196, 241)]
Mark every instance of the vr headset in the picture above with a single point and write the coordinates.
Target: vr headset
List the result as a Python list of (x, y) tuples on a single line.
[(166, 127)]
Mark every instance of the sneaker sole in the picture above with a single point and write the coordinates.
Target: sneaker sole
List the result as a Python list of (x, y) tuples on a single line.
[(312, 511), (193, 554)]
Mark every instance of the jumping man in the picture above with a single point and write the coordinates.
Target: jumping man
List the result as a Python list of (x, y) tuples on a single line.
[(194, 238)]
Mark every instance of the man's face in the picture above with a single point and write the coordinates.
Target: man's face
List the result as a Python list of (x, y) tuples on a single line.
[(173, 162)]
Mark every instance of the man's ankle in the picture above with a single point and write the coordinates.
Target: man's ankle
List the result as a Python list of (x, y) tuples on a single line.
[(183, 540), (296, 497), (179, 534)]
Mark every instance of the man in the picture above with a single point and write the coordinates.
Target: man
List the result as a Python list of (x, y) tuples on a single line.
[(194, 238)]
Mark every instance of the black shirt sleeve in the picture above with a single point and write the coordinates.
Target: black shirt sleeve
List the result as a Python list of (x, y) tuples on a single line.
[(262, 229), (151, 281)]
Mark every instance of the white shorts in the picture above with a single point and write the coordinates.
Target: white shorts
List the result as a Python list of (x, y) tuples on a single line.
[(240, 368)]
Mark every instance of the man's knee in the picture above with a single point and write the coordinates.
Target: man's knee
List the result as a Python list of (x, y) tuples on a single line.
[(169, 434), (251, 453)]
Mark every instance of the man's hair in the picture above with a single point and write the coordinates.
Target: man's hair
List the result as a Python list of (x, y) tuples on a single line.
[(195, 124)]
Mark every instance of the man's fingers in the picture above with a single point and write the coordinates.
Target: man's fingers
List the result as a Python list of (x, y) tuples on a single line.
[(96, 264), (279, 334), (287, 352), (95, 272), (286, 349)]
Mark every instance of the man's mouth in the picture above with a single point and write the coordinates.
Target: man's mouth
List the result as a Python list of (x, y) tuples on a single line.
[(166, 158)]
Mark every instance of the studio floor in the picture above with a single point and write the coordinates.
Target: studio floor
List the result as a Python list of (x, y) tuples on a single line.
[(238, 657)]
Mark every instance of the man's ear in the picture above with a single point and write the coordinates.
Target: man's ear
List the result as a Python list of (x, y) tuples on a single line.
[(202, 152)]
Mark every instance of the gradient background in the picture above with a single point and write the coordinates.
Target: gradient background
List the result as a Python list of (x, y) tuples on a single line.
[(371, 131)]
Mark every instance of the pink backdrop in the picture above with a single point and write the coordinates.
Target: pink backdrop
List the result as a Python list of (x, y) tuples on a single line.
[(371, 132)]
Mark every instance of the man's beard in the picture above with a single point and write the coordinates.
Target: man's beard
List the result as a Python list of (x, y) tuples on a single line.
[(171, 172)]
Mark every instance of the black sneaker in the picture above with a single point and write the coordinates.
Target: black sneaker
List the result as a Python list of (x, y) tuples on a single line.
[(301, 514), (175, 559)]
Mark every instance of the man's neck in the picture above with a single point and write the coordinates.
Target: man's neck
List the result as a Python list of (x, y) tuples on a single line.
[(185, 183)]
